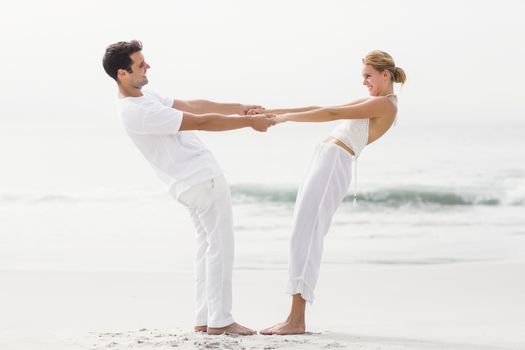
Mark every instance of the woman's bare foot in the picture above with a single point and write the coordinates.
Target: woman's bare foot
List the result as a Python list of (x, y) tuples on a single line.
[(295, 323), (268, 331), (201, 328), (284, 328), (234, 328)]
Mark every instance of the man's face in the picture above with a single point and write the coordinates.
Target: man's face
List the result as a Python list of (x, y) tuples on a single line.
[(137, 78)]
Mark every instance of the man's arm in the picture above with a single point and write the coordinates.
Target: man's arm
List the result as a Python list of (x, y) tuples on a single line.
[(205, 106), (221, 122)]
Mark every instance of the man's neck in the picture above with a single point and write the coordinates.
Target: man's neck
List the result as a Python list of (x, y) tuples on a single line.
[(129, 91)]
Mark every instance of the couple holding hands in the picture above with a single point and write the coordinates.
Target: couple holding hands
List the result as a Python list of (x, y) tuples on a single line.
[(161, 128)]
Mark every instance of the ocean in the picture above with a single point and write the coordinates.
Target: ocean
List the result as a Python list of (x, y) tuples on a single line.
[(81, 198)]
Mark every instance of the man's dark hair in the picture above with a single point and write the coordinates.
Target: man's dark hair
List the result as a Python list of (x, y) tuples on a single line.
[(117, 56)]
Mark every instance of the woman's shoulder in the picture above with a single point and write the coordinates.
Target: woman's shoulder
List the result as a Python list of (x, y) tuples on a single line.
[(389, 100), (383, 106)]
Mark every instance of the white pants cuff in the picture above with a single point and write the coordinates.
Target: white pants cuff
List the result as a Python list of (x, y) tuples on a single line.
[(300, 287)]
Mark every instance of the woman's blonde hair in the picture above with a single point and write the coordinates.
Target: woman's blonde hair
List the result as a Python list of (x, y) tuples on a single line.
[(381, 60)]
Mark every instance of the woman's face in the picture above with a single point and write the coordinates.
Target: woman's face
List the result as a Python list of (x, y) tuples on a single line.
[(375, 81)]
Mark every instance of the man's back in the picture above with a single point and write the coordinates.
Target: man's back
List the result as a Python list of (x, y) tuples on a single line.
[(179, 158)]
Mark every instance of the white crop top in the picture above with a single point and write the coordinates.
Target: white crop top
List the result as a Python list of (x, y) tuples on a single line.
[(354, 134)]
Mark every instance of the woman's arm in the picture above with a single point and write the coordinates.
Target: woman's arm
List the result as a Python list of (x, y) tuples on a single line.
[(290, 110), (355, 102), (370, 108), (304, 109)]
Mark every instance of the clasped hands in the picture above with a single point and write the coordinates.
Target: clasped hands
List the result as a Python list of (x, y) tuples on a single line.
[(262, 119)]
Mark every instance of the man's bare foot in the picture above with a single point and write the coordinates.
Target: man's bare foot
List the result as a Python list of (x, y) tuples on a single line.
[(201, 328), (286, 327), (234, 328)]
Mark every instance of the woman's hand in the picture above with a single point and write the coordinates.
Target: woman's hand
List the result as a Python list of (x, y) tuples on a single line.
[(280, 118)]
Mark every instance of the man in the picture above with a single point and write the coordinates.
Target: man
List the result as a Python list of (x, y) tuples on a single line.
[(161, 129)]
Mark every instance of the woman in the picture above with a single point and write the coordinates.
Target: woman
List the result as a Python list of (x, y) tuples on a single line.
[(329, 176)]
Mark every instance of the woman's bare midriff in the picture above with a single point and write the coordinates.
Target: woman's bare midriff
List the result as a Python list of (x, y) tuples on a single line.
[(331, 139)]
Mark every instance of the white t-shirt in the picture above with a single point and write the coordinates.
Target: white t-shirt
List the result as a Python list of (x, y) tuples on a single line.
[(179, 158)]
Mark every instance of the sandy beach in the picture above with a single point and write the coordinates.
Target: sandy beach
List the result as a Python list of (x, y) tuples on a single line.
[(476, 305)]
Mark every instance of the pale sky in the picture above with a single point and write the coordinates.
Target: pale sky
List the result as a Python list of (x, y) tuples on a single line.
[(58, 124), (463, 59)]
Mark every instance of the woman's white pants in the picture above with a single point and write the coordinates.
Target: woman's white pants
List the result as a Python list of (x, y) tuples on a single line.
[(320, 194), (210, 207)]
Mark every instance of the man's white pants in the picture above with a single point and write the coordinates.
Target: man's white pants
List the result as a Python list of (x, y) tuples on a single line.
[(321, 193), (210, 207)]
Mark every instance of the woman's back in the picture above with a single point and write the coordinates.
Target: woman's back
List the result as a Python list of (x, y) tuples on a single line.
[(357, 133), (379, 126)]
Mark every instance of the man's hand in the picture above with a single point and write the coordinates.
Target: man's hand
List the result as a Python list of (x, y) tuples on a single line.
[(252, 109), (262, 122)]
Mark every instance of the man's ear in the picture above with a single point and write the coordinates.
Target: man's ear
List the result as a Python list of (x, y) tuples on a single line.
[(121, 73)]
